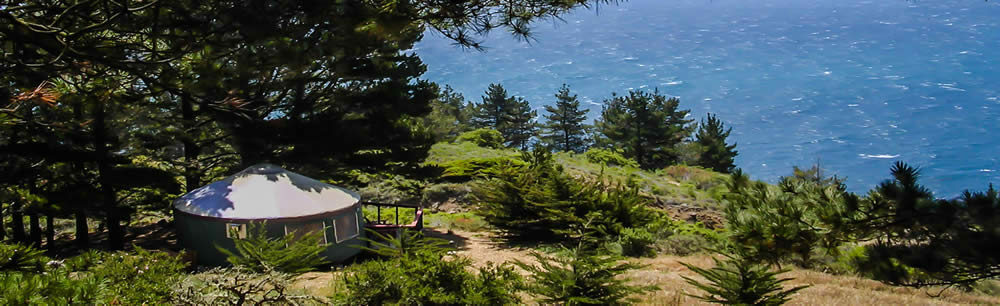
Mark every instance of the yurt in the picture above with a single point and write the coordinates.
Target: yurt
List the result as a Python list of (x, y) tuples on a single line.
[(216, 214)]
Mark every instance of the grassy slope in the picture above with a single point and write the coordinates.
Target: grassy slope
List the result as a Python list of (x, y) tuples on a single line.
[(699, 188), (665, 271), (673, 185)]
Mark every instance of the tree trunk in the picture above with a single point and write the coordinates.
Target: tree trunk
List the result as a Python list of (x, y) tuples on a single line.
[(192, 179), (82, 235), (50, 231), (82, 232), (3, 228), (36, 230), (116, 234), (17, 222)]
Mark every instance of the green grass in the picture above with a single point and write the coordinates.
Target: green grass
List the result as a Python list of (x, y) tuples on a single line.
[(675, 184)]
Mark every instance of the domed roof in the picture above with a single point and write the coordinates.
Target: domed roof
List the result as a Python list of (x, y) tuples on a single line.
[(266, 191)]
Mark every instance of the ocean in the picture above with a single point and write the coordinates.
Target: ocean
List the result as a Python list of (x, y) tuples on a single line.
[(853, 85)]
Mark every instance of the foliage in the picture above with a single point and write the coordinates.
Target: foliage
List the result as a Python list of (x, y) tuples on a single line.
[(140, 277), (238, 286), (449, 115), (464, 170), (564, 129), (647, 126), (717, 155), (55, 287), (740, 281), (391, 188), (417, 270), (580, 277), (294, 253), (774, 223), (136, 278), (542, 202), (637, 242), (18, 257), (949, 242), (509, 115), (609, 157), (484, 137), (682, 238)]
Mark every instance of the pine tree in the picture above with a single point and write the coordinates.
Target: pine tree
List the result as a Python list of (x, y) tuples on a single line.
[(646, 126), (717, 155), (511, 116), (449, 115), (738, 281), (564, 129), (492, 111), (520, 126)]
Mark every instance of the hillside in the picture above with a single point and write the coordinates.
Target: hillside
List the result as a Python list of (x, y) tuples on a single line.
[(665, 271)]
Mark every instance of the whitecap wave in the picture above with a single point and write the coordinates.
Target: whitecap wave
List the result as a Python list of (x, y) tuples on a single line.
[(878, 156)]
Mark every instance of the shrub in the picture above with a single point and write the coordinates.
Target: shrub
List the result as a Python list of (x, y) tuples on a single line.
[(54, 287), (19, 257), (416, 270), (580, 277), (788, 221), (636, 242), (542, 202), (137, 278), (141, 277), (468, 169), (740, 281), (293, 253), (609, 158), (487, 138), (238, 286)]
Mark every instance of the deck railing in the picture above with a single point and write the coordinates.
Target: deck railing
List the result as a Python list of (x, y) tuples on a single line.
[(418, 216)]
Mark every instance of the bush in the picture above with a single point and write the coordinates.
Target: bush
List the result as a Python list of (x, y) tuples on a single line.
[(54, 287), (238, 286), (740, 281), (788, 221), (636, 242), (142, 277), (293, 253), (487, 138), (19, 257), (581, 277), (609, 158), (542, 202), (415, 270), (392, 189), (468, 169)]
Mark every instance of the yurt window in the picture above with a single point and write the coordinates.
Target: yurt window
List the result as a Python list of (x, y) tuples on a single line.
[(239, 230), (345, 227), (300, 230)]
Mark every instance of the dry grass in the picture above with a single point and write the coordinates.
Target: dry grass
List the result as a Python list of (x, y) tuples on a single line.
[(827, 289), (666, 271)]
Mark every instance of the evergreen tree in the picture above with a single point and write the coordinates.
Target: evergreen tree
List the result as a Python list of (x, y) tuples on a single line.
[(717, 155), (491, 113), (511, 116), (646, 126), (521, 125), (564, 129), (449, 115)]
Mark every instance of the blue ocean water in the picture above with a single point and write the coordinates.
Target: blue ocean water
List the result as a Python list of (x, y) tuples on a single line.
[(854, 85)]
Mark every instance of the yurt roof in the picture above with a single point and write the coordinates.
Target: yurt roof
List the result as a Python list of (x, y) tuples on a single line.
[(266, 191)]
